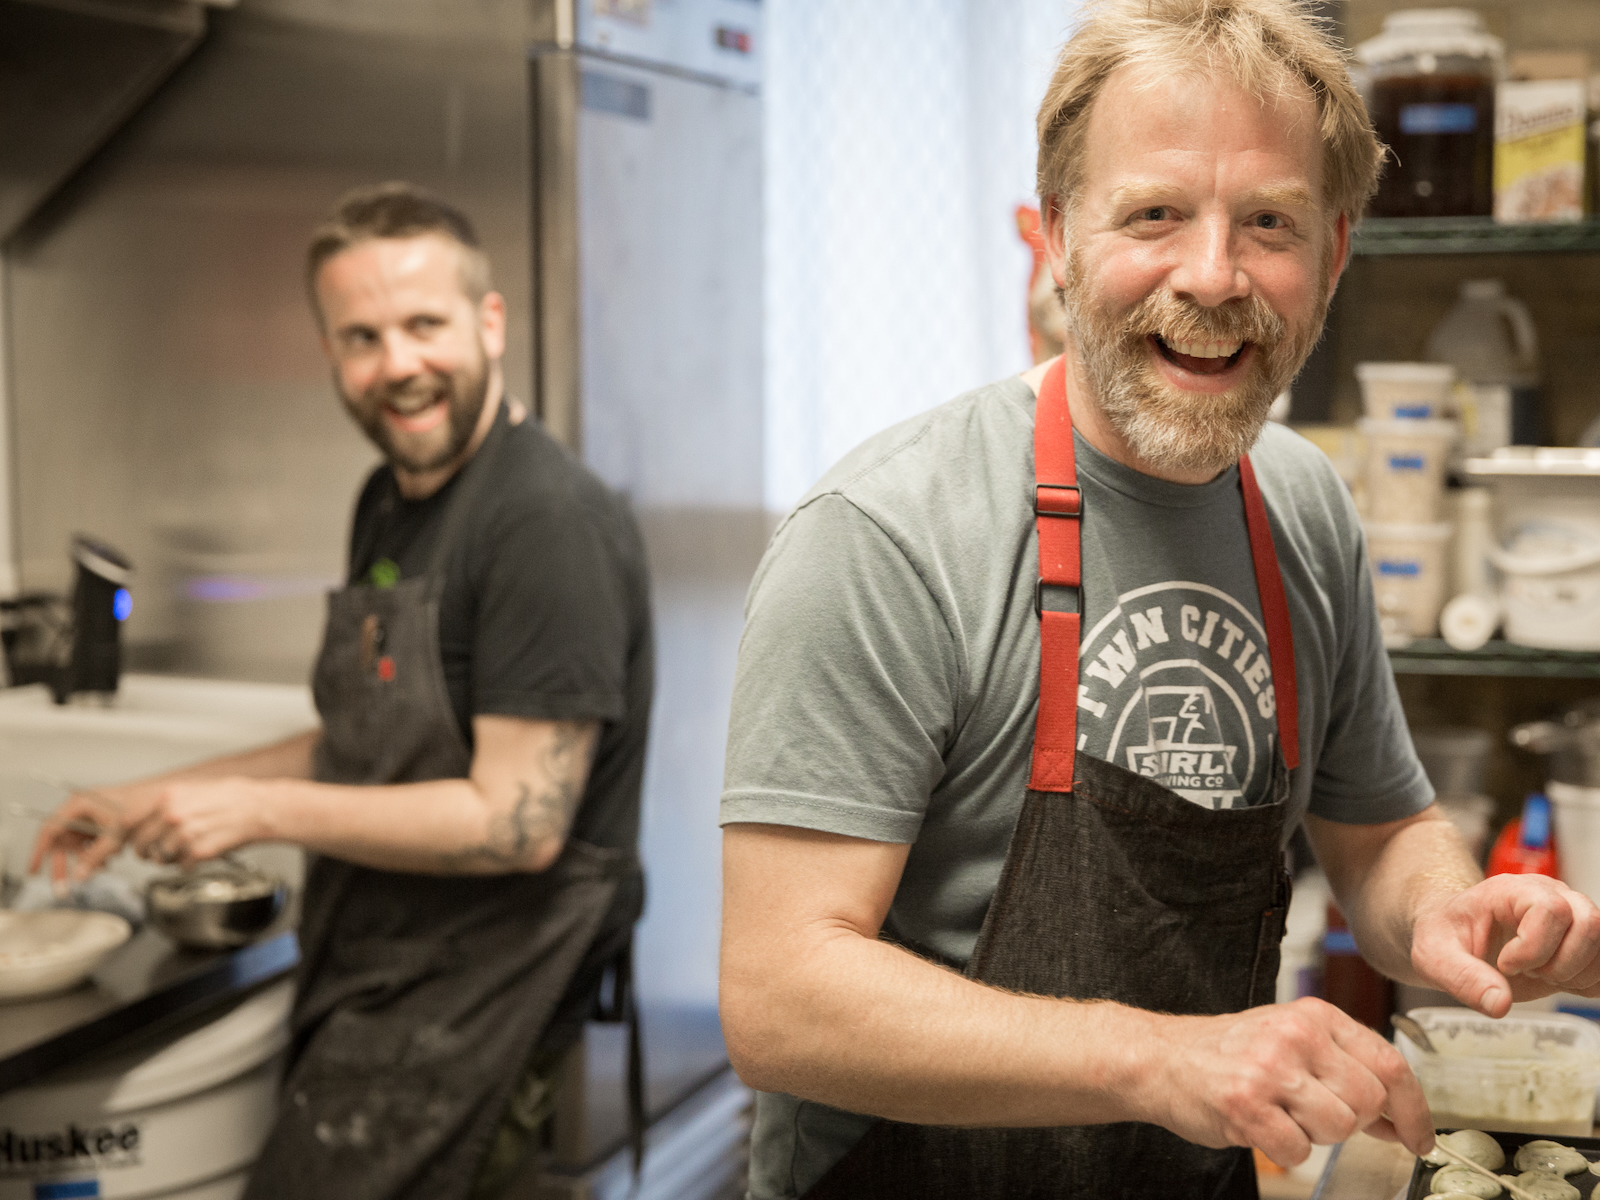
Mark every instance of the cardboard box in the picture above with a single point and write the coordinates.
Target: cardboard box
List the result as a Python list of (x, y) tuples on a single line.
[(1539, 150)]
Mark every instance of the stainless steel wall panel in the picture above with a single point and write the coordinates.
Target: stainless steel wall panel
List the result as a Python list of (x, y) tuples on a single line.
[(167, 389)]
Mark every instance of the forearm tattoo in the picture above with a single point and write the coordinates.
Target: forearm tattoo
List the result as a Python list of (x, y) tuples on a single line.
[(544, 805)]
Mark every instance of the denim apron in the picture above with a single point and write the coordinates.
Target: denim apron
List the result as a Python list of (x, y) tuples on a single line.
[(420, 996), (1113, 888)]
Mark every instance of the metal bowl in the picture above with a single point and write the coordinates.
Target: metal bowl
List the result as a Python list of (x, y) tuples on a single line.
[(214, 907)]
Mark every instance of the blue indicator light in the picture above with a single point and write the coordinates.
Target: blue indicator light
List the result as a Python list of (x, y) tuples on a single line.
[(121, 604), (72, 1190)]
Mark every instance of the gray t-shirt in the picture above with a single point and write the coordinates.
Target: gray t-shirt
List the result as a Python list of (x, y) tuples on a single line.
[(889, 674)]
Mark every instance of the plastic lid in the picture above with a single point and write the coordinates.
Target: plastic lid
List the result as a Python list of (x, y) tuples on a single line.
[(219, 1050), (1416, 31), (1406, 372), (1537, 460), (1536, 821), (1386, 531), (1482, 289), (1409, 426)]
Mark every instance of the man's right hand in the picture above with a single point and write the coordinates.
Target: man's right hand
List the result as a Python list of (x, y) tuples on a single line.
[(64, 841), (1285, 1076)]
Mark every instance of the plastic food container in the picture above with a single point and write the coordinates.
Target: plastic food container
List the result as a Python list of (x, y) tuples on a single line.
[(1525, 1073), (1577, 819), (1408, 578), (1547, 523), (1405, 469), (1406, 390), (1430, 87)]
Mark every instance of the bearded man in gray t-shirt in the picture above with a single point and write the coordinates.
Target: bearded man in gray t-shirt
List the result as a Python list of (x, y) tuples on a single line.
[(947, 977)]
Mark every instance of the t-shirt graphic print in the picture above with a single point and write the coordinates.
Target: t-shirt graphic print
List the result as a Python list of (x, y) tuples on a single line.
[(1175, 683)]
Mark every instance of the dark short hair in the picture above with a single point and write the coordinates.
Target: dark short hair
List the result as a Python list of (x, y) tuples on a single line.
[(396, 210)]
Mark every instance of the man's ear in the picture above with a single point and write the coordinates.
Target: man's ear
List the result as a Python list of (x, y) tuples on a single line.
[(1053, 230), (492, 324), (1341, 252)]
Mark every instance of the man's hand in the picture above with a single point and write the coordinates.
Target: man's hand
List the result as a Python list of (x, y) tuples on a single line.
[(64, 841), (1283, 1077), (1511, 937), (191, 821)]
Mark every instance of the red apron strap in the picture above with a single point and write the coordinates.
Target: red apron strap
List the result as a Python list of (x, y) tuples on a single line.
[(1057, 508), (1274, 612), (1058, 511)]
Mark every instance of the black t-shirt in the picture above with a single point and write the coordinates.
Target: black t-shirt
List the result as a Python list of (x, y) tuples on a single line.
[(545, 610)]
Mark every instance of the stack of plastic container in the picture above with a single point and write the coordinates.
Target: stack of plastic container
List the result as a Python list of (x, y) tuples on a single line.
[(1409, 441)]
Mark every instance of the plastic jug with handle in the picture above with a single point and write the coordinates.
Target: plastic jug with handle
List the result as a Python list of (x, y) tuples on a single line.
[(1490, 339)]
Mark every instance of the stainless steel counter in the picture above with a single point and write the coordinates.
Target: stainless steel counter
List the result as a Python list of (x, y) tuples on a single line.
[(147, 984)]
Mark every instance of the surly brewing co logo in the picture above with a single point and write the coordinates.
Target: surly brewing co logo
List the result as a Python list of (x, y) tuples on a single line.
[(71, 1147), (1175, 683)]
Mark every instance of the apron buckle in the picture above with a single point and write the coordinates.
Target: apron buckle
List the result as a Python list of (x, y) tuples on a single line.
[(1063, 597), (1057, 500)]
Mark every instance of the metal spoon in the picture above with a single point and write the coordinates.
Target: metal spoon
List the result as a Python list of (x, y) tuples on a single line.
[(1415, 1032)]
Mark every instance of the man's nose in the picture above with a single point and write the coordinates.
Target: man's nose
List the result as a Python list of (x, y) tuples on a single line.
[(401, 357), (1209, 272)]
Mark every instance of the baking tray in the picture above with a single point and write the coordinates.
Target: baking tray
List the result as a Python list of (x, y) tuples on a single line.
[(1586, 1182)]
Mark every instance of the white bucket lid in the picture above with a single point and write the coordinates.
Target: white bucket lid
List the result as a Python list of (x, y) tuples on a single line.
[(1405, 372), (1572, 793), (1430, 427), (217, 1051), (1540, 461), (1383, 531)]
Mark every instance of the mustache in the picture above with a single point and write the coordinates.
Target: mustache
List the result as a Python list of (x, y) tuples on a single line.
[(1174, 319)]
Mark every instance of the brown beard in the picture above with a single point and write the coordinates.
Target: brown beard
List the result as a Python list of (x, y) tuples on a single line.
[(1166, 427), (464, 391)]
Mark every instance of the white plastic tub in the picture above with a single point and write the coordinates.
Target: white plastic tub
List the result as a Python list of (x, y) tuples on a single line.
[(1405, 469), (1406, 390), (1408, 578), (1547, 524), (182, 1118), (1525, 1073), (1577, 824)]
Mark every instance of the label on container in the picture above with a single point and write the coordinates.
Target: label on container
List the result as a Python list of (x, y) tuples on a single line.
[(73, 1189), (1538, 150), (1402, 567), (1438, 118), (1407, 462)]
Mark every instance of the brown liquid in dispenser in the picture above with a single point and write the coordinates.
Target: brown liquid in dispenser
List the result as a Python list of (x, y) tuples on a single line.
[(1441, 128)]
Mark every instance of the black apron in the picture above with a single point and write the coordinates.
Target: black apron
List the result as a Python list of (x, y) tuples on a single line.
[(420, 996), (1113, 888)]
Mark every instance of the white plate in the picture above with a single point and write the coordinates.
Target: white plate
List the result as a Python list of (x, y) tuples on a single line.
[(52, 950)]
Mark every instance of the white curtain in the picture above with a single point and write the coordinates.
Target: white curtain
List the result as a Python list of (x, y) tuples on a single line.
[(899, 143)]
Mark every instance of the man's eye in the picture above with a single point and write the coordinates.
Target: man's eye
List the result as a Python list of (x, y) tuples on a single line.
[(1269, 221), (1158, 213)]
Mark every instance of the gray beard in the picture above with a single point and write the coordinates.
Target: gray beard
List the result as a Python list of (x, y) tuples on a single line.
[(1166, 427)]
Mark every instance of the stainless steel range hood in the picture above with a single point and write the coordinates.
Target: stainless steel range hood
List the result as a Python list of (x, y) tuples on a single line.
[(71, 72)]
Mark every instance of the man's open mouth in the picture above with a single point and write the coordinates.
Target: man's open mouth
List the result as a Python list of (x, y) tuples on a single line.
[(414, 417), (1201, 358)]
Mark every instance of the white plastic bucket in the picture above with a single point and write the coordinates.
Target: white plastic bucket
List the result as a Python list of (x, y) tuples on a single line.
[(1577, 822), (1406, 390), (184, 1118), (1547, 515), (1405, 469), (1408, 578)]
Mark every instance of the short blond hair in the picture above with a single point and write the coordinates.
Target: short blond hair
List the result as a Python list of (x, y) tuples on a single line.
[(1267, 47)]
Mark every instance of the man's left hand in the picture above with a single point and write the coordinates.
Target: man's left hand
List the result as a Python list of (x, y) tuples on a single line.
[(191, 821), (1511, 937)]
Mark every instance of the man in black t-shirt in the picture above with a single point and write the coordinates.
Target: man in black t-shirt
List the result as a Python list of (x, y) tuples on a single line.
[(471, 799)]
